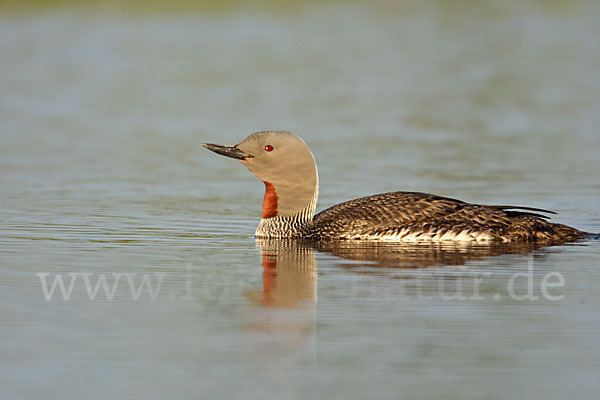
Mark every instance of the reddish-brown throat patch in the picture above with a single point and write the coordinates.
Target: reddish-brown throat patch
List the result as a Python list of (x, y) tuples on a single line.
[(270, 201)]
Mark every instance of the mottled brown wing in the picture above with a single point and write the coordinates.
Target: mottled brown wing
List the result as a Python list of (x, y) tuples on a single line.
[(389, 213), (399, 208)]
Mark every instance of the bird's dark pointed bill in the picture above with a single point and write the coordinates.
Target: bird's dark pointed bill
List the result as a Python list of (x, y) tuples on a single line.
[(228, 151)]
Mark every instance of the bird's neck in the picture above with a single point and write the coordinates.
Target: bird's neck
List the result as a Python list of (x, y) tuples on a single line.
[(288, 207)]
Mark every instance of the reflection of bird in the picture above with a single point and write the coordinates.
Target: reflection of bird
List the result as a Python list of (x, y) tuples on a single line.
[(287, 167), (417, 255), (289, 273), (288, 298)]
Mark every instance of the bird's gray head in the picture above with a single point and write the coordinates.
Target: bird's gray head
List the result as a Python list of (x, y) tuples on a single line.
[(284, 163)]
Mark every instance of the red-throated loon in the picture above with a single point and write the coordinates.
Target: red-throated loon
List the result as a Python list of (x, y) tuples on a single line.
[(287, 167)]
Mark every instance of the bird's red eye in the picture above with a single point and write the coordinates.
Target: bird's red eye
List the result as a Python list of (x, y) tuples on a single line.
[(268, 148)]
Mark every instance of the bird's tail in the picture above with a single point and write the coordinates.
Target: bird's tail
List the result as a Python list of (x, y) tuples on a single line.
[(593, 236)]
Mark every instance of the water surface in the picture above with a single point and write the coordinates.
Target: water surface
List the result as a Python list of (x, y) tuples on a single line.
[(102, 175)]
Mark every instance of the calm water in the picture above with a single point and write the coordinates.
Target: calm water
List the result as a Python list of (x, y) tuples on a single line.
[(102, 177)]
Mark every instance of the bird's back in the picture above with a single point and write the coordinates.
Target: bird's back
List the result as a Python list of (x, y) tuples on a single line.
[(413, 216)]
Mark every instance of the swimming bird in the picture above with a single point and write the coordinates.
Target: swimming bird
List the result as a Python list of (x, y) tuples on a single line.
[(287, 167)]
